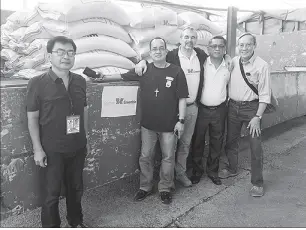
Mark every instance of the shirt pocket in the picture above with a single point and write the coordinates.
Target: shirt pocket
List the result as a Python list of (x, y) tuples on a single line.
[(253, 77)]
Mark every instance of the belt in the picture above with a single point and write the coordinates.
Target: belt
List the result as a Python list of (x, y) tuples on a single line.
[(243, 102), (190, 104), (212, 107)]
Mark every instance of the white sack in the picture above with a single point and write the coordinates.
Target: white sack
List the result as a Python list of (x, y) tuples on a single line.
[(96, 59), (28, 73), (24, 18), (74, 10), (198, 22), (106, 43)]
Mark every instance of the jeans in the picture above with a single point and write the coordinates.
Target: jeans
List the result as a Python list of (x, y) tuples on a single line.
[(214, 119), (66, 168), (184, 142), (239, 113), (167, 142)]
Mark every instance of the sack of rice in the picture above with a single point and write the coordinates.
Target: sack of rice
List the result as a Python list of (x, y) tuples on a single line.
[(36, 45), (198, 22), (154, 16), (32, 61), (28, 73), (145, 35), (107, 70), (23, 18), (36, 31), (96, 59), (10, 57), (18, 34), (106, 43), (75, 10)]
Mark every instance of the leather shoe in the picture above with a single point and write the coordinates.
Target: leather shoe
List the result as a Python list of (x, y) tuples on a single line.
[(215, 180), (195, 179)]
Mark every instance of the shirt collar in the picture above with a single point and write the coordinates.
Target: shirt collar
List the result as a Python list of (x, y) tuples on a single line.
[(180, 54), (251, 60), (54, 77), (210, 63)]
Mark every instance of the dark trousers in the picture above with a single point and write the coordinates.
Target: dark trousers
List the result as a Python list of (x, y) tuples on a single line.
[(67, 169), (239, 113), (214, 119)]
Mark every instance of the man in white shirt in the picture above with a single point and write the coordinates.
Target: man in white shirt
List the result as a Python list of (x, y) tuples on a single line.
[(212, 112)]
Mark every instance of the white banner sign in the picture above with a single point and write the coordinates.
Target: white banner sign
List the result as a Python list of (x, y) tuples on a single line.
[(119, 101)]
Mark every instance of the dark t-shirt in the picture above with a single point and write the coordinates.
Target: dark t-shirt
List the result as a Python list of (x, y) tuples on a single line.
[(160, 91), (48, 95)]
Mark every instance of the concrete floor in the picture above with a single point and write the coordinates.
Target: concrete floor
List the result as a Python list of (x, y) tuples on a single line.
[(205, 204)]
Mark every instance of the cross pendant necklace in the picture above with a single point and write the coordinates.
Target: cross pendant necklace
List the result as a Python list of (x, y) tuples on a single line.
[(156, 92)]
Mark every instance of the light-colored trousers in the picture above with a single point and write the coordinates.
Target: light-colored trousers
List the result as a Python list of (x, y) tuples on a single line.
[(167, 142), (184, 142)]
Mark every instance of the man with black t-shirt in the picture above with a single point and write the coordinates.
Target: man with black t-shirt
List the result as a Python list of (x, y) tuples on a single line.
[(163, 103)]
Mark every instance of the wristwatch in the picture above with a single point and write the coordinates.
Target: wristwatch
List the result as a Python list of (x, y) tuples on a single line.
[(182, 121), (258, 116)]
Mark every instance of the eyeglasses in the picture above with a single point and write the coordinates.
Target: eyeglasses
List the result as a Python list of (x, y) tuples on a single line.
[(161, 49), (241, 45), (217, 46), (61, 53)]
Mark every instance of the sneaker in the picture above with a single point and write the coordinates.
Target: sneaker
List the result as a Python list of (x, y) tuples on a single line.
[(184, 180), (225, 173), (165, 197), (257, 191), (141, 195)]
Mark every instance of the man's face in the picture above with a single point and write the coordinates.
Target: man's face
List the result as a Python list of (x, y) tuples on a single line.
[(188, 39), (246, 46), (217, 48), (158, 50), (62, 56)]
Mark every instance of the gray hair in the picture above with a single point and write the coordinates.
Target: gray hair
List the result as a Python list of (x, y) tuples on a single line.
[(189, 28), (248, 33)]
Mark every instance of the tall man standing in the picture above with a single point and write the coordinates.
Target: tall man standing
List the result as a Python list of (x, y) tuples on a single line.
[(57, 121), (245, 106), (191, 60), (163, 93), (212, 112)]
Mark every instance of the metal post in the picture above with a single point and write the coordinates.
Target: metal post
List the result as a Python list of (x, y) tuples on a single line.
[(231, 30)]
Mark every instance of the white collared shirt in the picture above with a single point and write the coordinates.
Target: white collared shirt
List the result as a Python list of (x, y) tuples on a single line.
[(258, 74), (215, 82), (191, 68)]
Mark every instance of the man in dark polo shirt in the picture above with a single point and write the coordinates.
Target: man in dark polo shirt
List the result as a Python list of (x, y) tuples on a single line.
[(57, 121), (163, 93)]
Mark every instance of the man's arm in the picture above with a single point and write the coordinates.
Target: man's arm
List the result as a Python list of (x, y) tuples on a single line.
[(129, 76), (33, 125)]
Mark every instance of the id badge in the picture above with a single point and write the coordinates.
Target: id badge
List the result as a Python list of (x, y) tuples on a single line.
[(73, 124)]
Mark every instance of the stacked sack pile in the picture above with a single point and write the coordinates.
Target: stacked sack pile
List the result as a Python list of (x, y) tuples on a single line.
[(96, 27), (156, 21)]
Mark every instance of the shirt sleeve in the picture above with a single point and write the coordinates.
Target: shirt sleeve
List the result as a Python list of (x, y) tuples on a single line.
[(264, 85), (32, 100), (182, 88), (130, 76)]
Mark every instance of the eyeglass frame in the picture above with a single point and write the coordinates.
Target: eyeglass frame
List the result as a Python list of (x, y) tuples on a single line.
[(64, 52)]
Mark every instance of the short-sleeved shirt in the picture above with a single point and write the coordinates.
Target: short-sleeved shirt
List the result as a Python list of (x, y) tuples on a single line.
[(258, 74), (160, 91), (48, 95)]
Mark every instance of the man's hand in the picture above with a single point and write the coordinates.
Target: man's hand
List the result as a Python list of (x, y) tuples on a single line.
[(141, 68), (254, 126), (179, 129), (228, 62), (40, 158)]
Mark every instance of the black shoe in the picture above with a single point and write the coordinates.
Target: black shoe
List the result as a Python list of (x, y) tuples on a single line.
[(81, 225), (196, 177), (215, 180), (141, 195), (165, 197)]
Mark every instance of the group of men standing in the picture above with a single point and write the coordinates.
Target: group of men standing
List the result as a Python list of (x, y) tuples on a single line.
[(183, 93)]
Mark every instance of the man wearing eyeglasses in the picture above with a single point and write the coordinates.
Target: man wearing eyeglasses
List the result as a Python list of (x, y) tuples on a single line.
[(57, 121), (245, 106), (163, 93), (212, 112)]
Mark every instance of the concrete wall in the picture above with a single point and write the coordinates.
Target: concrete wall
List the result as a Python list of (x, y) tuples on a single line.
[(115, 142)]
